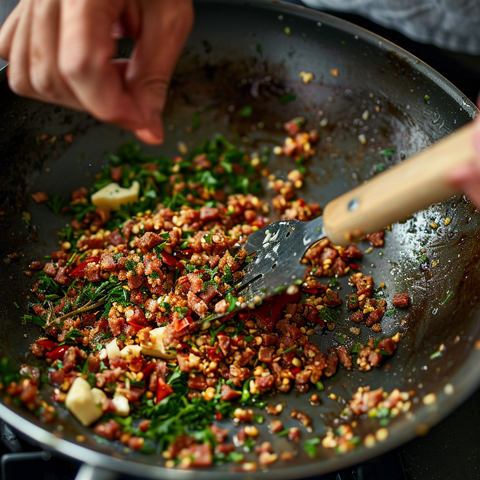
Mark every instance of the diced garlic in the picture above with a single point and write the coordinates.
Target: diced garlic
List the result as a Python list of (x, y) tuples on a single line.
[(112, 349), (98, 396), (121, 404), (82, 403), (130, 351), (112, 196), (156, 339)]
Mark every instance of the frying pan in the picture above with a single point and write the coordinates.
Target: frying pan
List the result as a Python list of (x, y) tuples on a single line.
[(240, 53)]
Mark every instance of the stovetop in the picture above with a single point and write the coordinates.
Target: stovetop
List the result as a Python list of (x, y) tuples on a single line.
[(450, 451)]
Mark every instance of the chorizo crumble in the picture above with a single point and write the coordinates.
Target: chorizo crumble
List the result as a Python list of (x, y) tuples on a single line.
[(124, 306)]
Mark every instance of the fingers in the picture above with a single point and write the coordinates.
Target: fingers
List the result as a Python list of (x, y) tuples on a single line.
[(165, 27), (467, 177), (86, 49), (7, 31), (18, 69), (44, 73), (61, 51)]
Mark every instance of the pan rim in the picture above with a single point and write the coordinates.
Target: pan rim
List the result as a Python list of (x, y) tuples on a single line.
[(467, 383)]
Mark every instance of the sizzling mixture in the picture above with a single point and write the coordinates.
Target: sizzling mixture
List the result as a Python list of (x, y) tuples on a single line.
[(127, 306)]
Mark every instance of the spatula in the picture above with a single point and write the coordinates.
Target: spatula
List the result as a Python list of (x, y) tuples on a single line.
[(276, 250)]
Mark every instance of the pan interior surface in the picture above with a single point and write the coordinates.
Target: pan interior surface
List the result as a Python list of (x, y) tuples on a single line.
[(251, 54)]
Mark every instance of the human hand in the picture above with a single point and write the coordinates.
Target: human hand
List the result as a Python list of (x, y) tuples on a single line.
[(60, 51), (467, 177)]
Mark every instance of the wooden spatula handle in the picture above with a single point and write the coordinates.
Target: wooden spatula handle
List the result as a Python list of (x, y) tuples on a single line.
[(400, 191)]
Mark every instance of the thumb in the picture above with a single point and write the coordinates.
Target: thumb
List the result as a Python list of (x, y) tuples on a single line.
[(165, 26)]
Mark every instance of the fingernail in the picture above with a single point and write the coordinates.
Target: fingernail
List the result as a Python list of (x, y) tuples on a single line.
[(146, 135)]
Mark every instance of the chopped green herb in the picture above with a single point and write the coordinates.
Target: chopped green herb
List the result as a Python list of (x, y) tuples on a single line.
[(196, 122), (332, 283), (246, 111), (228, 277), (389, 152), (328, 314), (447, 298), (182, 311), (287, 98), (71, 336), (435, 355), (310, 446), (319, 386)]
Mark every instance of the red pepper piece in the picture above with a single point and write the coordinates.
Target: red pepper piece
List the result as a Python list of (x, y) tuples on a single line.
[(179, 325), (353, 265), (271, 309), (236, 340), (79, 271), (163, 390), (48, 344), (149, 369), (310, 290), (218, 416), (172, 261), (295, 370), (136, 326), (187, 252), (213, 354), (58, 352)]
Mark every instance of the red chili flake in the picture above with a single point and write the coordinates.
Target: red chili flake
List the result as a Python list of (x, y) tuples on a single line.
[(236, 340), (179, 325), (218, 416), (310, 290), (48, 344), (353, 265), (79, 271), (163, 390), (149, 369), (135, 325), (271, 309), (58, 352), (172, 261), (213, 354)]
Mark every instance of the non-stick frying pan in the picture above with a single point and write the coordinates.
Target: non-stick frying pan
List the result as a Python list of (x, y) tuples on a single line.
[(242, 53)]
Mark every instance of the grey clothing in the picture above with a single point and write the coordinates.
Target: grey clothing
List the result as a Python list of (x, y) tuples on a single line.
[(450, 24)]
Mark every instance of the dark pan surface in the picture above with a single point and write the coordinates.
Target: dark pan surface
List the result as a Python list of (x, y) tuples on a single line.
[(233, 47)]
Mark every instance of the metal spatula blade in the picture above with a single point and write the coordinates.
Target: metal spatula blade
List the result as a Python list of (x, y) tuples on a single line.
[(276, 252)]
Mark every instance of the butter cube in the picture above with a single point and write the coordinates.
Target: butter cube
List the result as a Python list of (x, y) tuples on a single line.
[(82, 403), (112, 196)]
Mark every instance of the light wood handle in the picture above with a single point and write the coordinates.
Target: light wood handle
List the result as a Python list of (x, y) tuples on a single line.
[(400, 191)]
